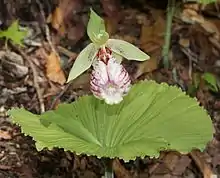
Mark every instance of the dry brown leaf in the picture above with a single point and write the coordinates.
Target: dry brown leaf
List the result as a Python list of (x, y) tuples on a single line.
[(171, 159), (149, 65), (152, 35), (191, 16), (63, 13), (184, 42), (211, 28), (53, 69), (111, 8), (146, 67), (119, 170), (57, 21), (182, 164), (5, 135), (111, 25)]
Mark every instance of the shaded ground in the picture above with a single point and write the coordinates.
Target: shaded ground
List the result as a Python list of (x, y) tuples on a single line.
[(27, 79)]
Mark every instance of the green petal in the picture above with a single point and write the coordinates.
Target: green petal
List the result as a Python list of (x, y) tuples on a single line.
[(96, 29), (127, 50), (83, 61), (152, 117)]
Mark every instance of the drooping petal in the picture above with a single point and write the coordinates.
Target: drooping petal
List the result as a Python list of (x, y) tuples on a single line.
[(109, 81), (99, 77), (117, 74)]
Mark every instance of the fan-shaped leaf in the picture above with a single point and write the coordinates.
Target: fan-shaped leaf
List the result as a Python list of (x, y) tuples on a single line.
[(127, 50), (152, 117), (83, 61)]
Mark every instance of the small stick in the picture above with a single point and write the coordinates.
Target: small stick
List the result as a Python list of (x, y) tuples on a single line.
[(52, 106), (204, 168), (35, 81)]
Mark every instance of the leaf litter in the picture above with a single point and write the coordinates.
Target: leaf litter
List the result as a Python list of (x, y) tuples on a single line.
[(195, 49)]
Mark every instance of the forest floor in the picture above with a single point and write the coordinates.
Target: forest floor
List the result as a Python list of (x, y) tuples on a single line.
[(34, 77)]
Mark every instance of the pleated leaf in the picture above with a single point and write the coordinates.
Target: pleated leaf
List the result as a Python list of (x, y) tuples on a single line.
[(151, 118)]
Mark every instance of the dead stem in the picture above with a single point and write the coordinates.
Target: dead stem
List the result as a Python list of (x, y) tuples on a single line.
[(35, 81), (46, 28), (202, 165)]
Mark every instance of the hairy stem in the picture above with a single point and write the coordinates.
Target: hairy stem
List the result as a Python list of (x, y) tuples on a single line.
[(167, 37)]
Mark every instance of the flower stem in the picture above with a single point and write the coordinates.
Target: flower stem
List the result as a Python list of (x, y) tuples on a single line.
[(108, 169), (169, 19)]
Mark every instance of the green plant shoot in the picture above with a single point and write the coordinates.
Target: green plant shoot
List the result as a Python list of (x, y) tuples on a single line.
[(14, 34), (100, 39), (211, 80)]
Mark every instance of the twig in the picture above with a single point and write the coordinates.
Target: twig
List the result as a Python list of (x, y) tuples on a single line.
[(52, 106), (35, 81), (200, 162), (119, 170), (66, 52), (169, 18), (47, 30)]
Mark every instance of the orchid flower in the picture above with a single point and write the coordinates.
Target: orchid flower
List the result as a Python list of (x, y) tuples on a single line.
[(109, 79)]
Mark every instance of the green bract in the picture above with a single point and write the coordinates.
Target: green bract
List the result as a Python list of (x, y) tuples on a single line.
[(151, 118), (100, 39)]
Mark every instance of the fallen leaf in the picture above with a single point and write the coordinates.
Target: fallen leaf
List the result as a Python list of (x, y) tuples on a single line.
[(111, 8), (63, 14), (57, 21), (119, 170), (184, 42), (111, 25), (191, 16), (53, 69), (148, 66), (152, 36), (182, 164), (5, 135)]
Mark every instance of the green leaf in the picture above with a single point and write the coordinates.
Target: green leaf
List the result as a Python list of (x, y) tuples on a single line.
[(13, 33), (202, 1), (96, 29), (206, 1), (151, 118), (211, 80), (127, 50), (83, 61)]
